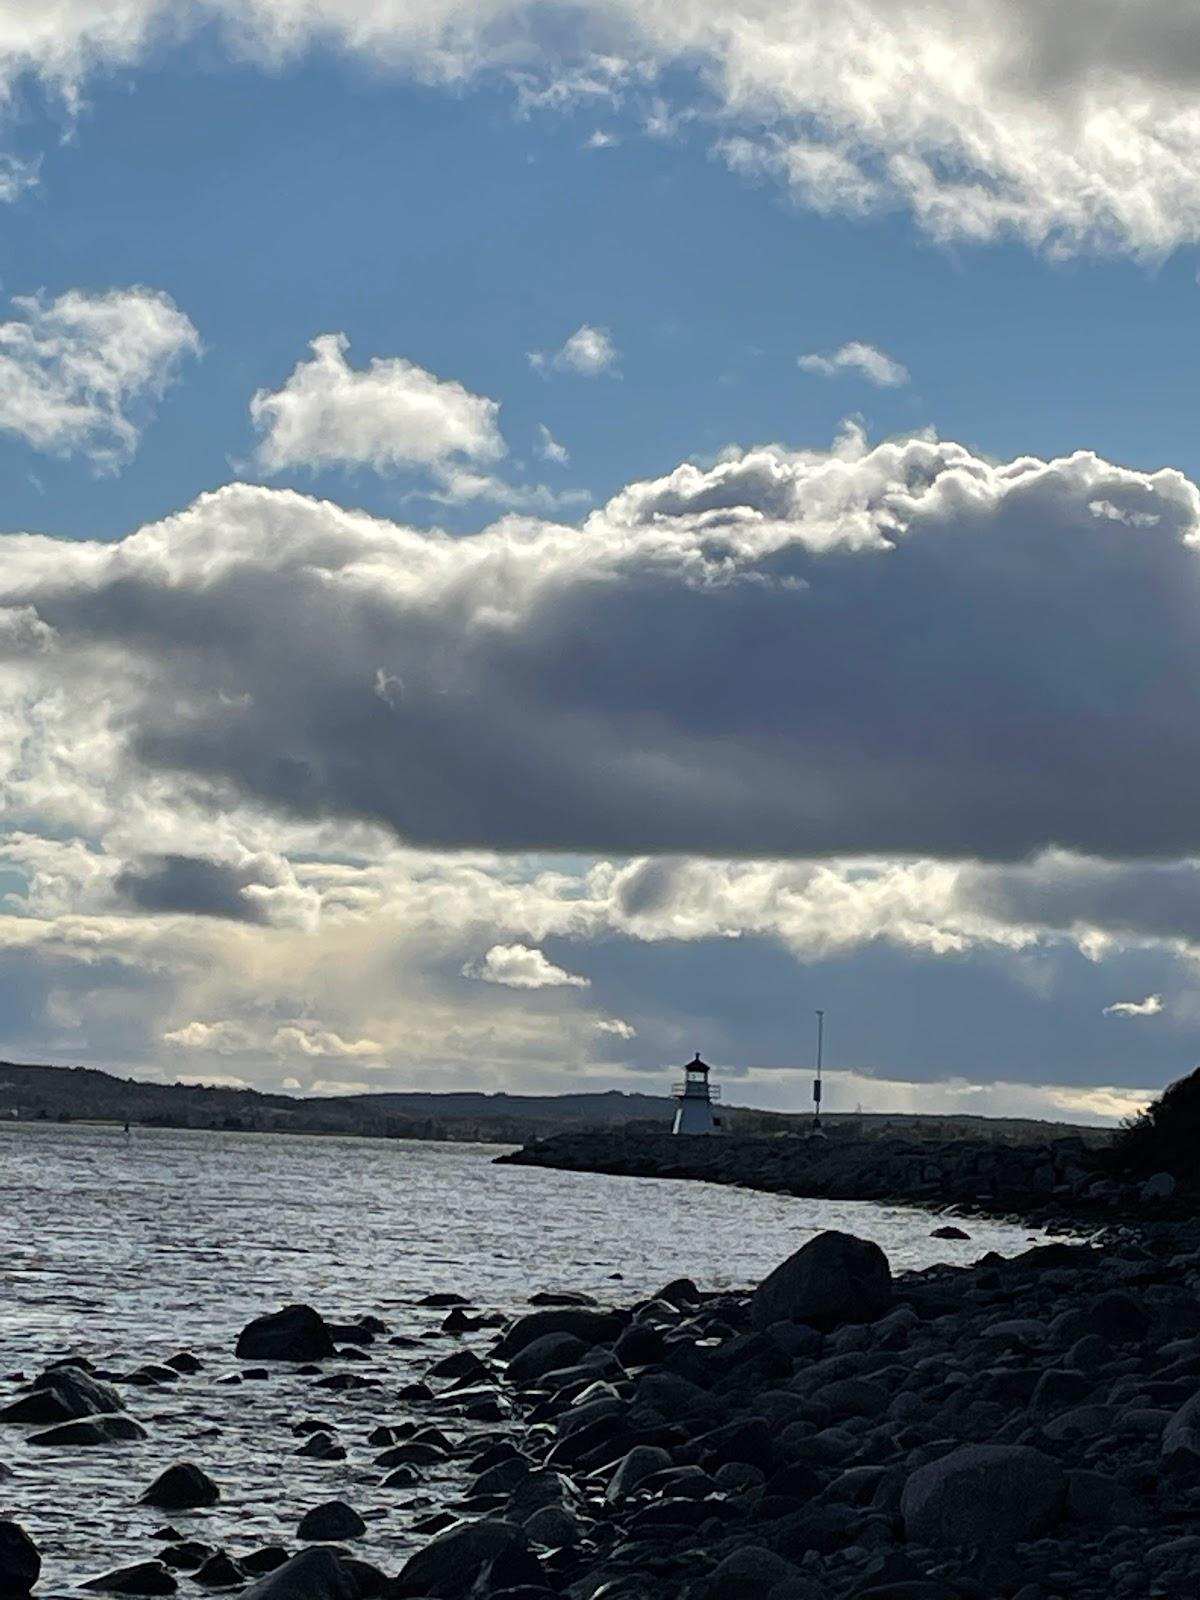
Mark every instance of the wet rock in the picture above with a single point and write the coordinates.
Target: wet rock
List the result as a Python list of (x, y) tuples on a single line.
[(267, 1559), (334, 1520), (547, 1354), (413, 1453), (552, 1526), (219, 1572), (297, 1333), (590, 1327), (181, 1488), (187, 1556), (834, 1278), (748, 1574), (320, 1447), (146, 1577), (640, 1345), (561, 1297), (152, 1376), (184, 1362), (639, 1463), (680, 1292), (442, 1302), (62, 1393), (462, 1364), (990, 1496), (20, 1562), (312, 1575), (449, 1565), (91, 1431), (402, 1478), (949, 1231)]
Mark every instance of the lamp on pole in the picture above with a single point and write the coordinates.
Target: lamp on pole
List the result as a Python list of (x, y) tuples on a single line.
[(817, 1079)]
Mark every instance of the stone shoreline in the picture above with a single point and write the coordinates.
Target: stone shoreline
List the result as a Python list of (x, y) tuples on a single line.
[(1021, 1429), (1057, 1185)]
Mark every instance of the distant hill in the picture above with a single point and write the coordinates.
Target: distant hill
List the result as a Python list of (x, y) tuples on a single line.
[(65, 1094)]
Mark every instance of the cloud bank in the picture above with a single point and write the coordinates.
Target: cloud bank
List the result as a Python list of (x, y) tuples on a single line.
[(1071, 127)]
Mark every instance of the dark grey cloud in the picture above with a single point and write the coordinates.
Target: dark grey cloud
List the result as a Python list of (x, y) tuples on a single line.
[(192, 885), (910, 651)]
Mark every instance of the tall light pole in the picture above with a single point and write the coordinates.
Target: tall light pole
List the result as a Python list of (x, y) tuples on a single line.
[(817, 1079)]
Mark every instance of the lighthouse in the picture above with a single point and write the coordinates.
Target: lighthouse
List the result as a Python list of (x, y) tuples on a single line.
[(694, 1113)]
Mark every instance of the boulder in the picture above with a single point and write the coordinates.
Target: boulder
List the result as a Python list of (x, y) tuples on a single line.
[(1182, 1434), (297, 1333), (591, 1327), (985, 1495), (949, 1232), (449, 1565), (834, 1278), (748, 1573), (1161, 1186), (90, 1431), (20, 1562), (318, 1574), (334, 1520), (182, 1487), (547, 1354), (641, 1462), (62, 1394), (146, 1577)]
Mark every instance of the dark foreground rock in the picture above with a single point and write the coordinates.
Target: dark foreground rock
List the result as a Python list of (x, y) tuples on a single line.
[(834, 1278), (20, 1563), (297, 1333), (317, 1574), (61, 1394), (1024, 1429), (181, 1488), (145, 1578)]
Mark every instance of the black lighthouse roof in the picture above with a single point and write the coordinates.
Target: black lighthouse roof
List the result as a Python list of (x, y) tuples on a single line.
[(696, 1065)]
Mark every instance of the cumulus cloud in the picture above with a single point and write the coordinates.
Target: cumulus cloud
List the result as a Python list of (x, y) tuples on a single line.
[(863, 359), (1070, 126), (1149, 1007), (617, 1027), (388, 415), (518, 966), (920, 680), (78, 374), (589, 352)]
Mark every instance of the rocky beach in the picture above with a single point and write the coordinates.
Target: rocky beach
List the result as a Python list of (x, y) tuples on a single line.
[(1024, 1427)]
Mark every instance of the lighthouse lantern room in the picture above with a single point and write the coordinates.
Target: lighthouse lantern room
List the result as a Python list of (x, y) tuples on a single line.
[(696, 1097)]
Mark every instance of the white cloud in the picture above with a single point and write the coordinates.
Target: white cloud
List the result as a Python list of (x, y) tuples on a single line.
[(863, 359), (589, 352), (548, 447), (518, 966), (1149, 1007), (388, 415), (1070, 126), (78, 374), (617, 1027), (309, 1039)]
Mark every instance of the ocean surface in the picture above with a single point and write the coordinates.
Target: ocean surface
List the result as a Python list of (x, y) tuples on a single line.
[(128, 1249)]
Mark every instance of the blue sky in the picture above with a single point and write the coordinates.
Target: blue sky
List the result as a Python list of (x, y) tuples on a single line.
[(922, 792)]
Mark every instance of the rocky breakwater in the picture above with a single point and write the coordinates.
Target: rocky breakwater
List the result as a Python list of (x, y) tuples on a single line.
[(1059, 1180)]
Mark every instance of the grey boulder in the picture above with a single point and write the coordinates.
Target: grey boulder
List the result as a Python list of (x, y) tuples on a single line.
[(450, 1564), (834, 1278), (61, 1395), (985, 1495), (312, 1575), (182, 1487), (297, 1333)]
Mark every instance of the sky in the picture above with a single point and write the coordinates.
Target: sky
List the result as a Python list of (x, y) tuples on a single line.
[(542, 538)]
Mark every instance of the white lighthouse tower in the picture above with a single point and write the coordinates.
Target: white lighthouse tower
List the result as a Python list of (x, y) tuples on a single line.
[(694, 1113)]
